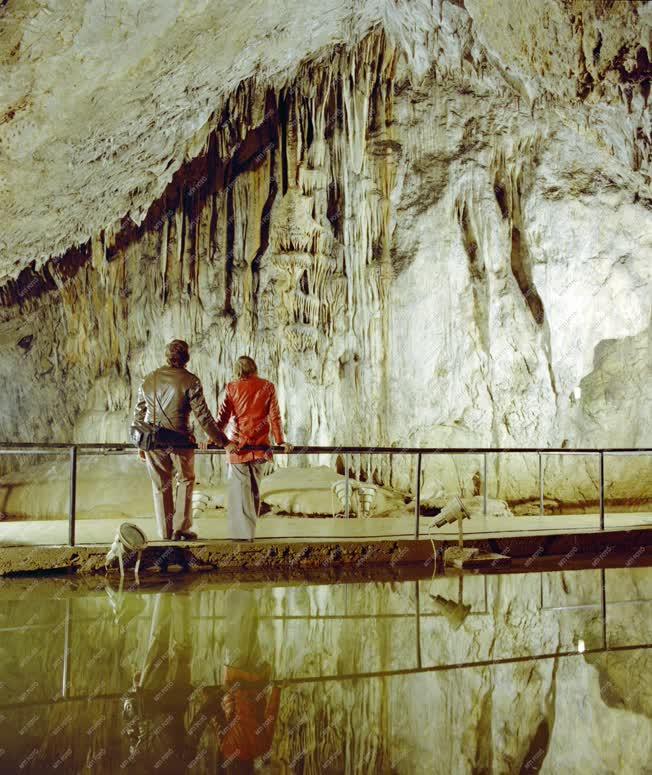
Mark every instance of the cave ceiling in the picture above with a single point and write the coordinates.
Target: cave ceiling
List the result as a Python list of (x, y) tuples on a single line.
[(102, 102)]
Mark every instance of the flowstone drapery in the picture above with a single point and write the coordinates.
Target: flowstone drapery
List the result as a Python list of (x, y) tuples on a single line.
[(427, 231)]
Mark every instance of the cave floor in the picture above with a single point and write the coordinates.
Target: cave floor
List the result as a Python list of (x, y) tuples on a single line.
[(318, 530), (295, 545)]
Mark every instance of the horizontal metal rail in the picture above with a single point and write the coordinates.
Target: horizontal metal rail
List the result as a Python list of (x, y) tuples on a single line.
[(370, 674), (30, 447), (75, 450)]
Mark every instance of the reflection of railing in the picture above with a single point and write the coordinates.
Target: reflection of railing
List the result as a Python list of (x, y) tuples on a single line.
[(75, 449), (368, 675), (417, 615)]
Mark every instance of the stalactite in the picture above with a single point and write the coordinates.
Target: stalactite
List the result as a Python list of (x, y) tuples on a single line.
[(281, 241)]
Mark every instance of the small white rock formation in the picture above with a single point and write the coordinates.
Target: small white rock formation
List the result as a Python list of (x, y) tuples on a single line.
[(354, 497), (428, 221), (201, 501), (319, 491)]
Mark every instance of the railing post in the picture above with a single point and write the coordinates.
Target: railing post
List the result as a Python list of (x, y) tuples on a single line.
[(540, 485), (417, 616), (65, 670), (72, 506), (603, 606), (417, 503), (484, 483), (601, 477), (346, 485)]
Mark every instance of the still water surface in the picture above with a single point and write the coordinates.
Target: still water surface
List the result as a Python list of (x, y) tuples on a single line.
[(516, 673)]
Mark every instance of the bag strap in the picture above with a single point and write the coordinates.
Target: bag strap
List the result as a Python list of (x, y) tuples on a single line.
[(156, 399)]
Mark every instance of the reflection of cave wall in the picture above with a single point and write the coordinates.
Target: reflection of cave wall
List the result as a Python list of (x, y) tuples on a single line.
[(364, 707), (422, 264)]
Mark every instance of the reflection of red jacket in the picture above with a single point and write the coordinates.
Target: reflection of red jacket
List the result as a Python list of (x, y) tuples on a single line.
[(251, 405), (251, 731)]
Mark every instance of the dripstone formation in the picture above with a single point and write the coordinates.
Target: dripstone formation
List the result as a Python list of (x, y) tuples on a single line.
[(429, 223)]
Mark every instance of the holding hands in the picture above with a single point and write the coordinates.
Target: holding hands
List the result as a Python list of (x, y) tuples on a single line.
[(230, 447), (234, 446)]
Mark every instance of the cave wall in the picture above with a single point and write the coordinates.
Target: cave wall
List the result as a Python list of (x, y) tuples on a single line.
[(416, 247)]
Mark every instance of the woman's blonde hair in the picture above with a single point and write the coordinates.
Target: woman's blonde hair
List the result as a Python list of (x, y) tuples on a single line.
[(245, 367)]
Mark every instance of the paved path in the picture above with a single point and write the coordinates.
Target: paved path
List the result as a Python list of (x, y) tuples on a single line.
[(102, 531)]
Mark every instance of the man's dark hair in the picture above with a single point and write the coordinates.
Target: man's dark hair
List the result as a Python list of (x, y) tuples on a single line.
[(177, 353)]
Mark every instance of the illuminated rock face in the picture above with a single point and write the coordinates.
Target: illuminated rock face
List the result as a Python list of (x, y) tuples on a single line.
[(436, 234)]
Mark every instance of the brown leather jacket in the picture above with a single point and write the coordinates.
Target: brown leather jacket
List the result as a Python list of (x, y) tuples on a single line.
[(178, 392)]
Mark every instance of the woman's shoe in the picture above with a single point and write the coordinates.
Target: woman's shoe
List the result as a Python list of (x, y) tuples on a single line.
[(184, 535)]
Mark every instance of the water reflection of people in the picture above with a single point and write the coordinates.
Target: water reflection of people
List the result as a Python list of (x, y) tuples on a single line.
[(242, 711), (154, 709)]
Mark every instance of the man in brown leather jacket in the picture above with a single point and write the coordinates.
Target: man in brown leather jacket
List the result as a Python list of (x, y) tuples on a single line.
[(177, 392)]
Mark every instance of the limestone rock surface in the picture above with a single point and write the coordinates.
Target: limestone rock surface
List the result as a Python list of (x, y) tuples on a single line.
[(429, 222)]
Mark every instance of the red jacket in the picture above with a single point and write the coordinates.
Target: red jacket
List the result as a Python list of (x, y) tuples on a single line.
[(251, 408)]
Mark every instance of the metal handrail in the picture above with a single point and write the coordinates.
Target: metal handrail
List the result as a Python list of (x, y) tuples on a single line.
[(306, 449), (121, 447)]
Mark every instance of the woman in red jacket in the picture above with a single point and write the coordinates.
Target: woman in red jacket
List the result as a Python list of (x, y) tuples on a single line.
[(247, 414), (242, 711)]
